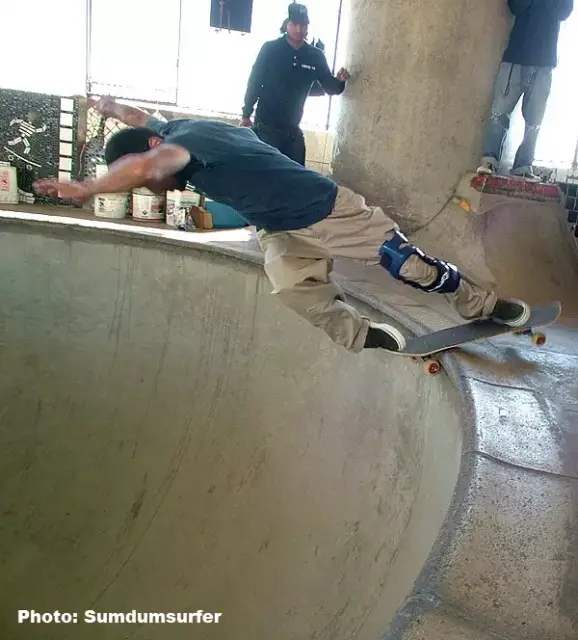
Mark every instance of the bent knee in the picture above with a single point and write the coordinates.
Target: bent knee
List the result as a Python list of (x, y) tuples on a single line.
[(311, 298)]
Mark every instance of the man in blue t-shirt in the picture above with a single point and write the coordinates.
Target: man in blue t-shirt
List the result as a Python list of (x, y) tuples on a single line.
[(303, 220)]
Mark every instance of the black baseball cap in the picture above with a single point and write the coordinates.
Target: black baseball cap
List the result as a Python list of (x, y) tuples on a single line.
[(298, 13)]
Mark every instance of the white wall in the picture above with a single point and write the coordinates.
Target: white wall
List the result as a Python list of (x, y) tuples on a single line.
[(43, 46)]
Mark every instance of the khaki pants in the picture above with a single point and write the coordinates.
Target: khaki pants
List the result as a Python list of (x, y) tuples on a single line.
[(299, 264)]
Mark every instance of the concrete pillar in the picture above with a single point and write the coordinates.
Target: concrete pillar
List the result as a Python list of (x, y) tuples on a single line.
[(413, 115)]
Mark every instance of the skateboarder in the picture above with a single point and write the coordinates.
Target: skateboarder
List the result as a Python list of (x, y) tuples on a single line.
[(303, 219), (283, 76), (526, 69)]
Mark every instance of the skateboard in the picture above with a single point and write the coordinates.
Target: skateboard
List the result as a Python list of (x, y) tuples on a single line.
[(426, 347)]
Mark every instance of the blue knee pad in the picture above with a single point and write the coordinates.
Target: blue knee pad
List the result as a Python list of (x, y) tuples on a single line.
[(393, 255)]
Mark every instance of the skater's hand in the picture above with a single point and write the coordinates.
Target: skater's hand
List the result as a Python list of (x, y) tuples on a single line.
[(246, 122), (75, 191), (105, 106), (343, 74)]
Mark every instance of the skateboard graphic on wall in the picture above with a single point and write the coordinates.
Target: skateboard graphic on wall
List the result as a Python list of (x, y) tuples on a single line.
[(426, 347)]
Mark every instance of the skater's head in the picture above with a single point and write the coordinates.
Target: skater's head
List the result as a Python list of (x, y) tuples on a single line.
[(34, 118), (128, 142), (296, 25)]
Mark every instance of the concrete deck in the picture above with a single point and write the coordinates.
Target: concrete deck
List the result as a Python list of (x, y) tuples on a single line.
[(177, 440)]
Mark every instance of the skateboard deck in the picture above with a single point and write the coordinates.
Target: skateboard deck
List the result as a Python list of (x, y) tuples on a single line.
[(436, 342)]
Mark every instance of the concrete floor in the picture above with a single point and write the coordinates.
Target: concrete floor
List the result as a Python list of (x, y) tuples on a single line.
[(179, 441), (176, 440)]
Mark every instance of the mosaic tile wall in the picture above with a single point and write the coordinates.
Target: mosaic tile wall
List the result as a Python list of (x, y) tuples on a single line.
[(38, 136)]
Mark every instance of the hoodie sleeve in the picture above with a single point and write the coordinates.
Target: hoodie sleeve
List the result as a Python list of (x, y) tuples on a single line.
[(328, 82), (518, 7), (256, 80), (316, 90), (560, 8)]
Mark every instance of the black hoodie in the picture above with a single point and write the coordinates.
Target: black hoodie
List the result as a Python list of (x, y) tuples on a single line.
[(534, 36)]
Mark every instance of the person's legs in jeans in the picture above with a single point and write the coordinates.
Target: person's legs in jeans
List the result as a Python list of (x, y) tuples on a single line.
[(507, 92), (299, 265), (537, 86)]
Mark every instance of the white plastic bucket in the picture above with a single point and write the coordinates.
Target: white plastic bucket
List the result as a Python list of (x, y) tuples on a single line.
[(110, 205), (8, 185), (179, 199), (146, 205)]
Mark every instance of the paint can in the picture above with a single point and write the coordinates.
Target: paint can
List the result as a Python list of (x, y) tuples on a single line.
[(181, 199), (178, 208), (109, 205), (147, 206), (8, 184)]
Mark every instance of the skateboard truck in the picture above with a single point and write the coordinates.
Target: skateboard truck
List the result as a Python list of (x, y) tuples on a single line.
[(538, 338)]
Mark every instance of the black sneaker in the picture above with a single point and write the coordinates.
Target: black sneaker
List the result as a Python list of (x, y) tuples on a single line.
[(514, 313), (384, 336)]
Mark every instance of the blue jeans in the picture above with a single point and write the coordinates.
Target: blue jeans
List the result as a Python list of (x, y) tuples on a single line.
[(513, 81)]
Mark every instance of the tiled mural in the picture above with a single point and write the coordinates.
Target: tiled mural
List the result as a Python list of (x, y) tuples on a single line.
[(38, 136)]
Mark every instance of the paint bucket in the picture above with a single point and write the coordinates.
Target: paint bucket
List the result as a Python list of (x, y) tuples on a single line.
[(8, 184), (146, 206), (178, 207), (177, 200), (109, 205)]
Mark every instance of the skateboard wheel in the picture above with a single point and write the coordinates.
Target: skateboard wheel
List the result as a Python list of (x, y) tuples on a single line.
[(538, 339), (432, 367)]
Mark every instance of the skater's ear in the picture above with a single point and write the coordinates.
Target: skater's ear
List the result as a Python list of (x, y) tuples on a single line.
[(154, 141)]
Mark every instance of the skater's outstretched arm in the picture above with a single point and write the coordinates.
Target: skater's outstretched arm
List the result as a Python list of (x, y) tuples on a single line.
[(148, 169), (131, 116), (518, 7)]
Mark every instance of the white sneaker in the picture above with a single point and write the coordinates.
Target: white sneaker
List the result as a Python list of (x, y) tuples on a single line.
[(487, 169), (384, 336), (530, 176)]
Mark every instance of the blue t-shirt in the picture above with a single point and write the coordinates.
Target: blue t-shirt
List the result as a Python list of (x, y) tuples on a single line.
[(232, 166)]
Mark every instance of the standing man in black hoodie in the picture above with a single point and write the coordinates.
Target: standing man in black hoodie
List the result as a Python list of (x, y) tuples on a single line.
[(282, 77), (526, 70)]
